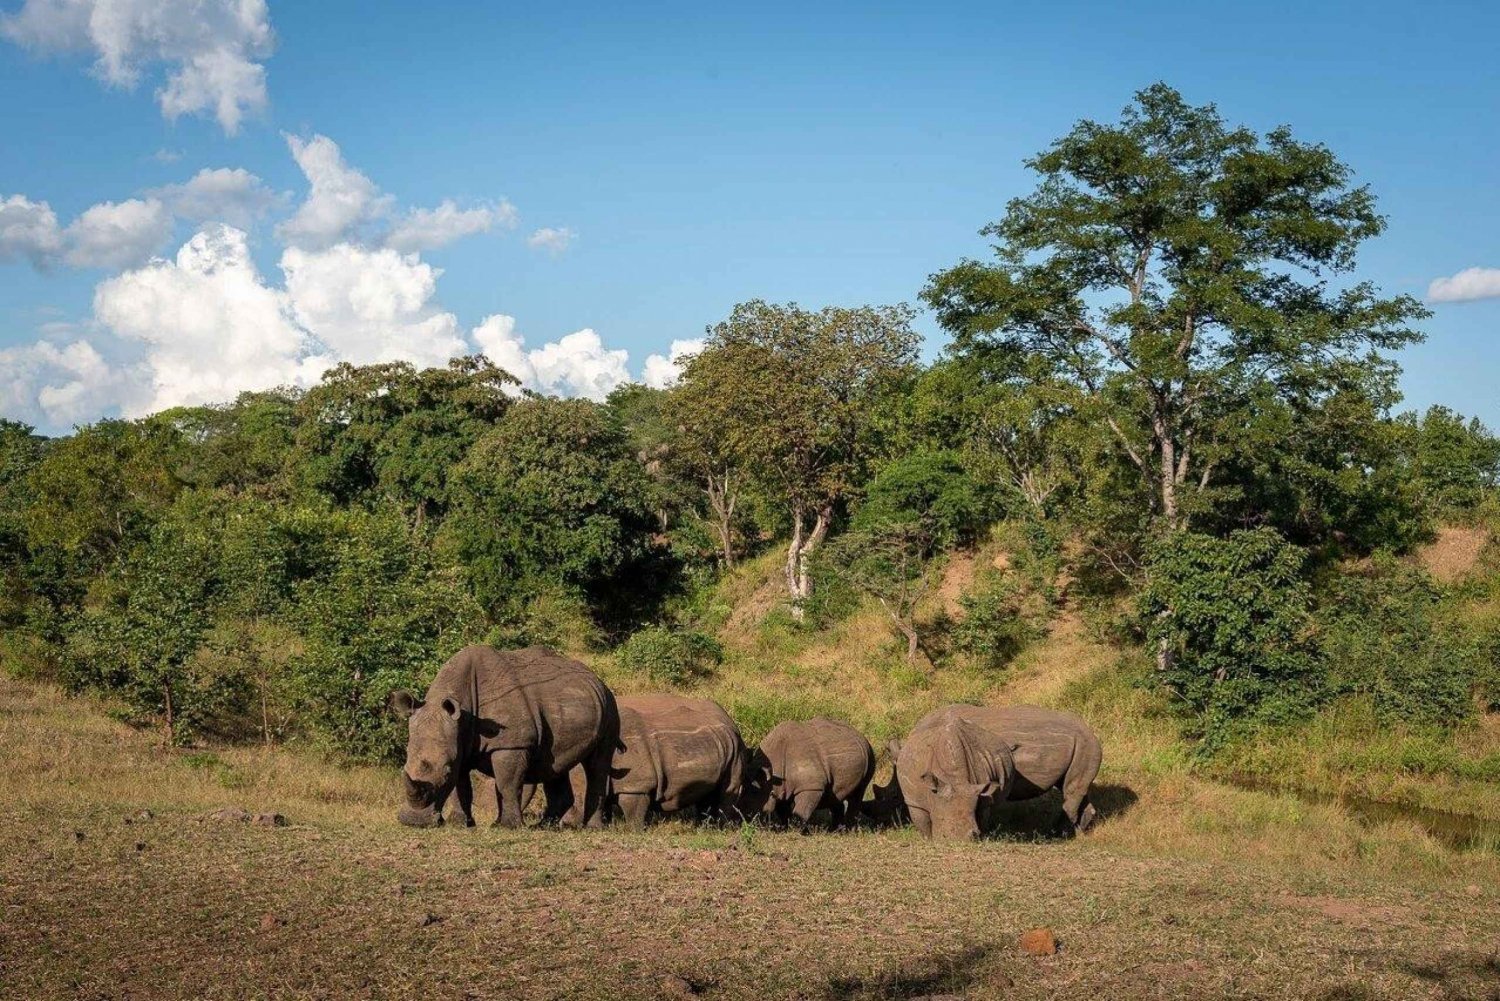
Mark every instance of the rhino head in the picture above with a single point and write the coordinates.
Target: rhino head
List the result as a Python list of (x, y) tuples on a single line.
[(433, 750), (755, 790), (968, 775)]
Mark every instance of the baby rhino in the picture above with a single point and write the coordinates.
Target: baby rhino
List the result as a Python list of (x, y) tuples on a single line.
[(959, 762), (675, 752), (802, 767)]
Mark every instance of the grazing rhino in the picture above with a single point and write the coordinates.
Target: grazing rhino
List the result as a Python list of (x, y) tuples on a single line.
[(802, 767), (522, 716), (959, 762), (675, 752)]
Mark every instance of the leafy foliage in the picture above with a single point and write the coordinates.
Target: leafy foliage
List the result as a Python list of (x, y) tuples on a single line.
[(670, 656), (1387, 635), (1237, 611)]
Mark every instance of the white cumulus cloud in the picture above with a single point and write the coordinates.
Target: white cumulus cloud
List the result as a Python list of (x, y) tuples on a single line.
[(1466, 286), (553, 239), (107, 235), (57, 384), (341, 202), (575, 365), (207, 323), (213, 49), (663, 371), (231, 195), (117, 234), (28, 230), (370, 305), (427, 229)]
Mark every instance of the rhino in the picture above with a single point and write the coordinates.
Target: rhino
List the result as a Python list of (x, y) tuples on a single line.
[(802, 767), (524, 717), (960, 762), (675, 752)]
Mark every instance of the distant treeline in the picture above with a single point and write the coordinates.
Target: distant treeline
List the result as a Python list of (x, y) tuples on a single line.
[(1168, 376)]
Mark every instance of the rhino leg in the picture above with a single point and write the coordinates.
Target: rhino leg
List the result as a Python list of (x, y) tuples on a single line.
[(510, 771), (596, 775), (804, 805), (1076, 806), (633, 808), (463, 795), (559, 799)]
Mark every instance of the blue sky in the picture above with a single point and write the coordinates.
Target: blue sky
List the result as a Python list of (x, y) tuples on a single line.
[(698, 157)]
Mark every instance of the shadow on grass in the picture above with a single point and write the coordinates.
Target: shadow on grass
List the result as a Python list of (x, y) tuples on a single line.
[(937, 973), (1042, 819)]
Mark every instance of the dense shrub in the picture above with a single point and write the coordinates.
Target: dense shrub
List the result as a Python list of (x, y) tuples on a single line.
[(670, 656), (1000, 620), (1387, 634), (1234, 617)]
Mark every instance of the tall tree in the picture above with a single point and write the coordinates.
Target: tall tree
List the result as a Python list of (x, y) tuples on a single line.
[(792, 397), (1172, 269)]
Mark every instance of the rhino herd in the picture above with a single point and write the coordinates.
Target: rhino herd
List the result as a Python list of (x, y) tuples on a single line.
[(533, 717)]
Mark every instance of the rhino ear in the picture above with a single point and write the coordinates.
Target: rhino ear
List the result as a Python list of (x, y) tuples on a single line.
[(450, 709), (893, 746), (403, 703)]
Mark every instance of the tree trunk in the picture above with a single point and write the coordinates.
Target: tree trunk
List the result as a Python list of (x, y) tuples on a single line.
[(167, 702), (721, 501), (804, 544)]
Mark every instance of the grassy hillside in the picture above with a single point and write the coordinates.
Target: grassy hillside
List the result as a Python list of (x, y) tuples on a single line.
[(113, 884)]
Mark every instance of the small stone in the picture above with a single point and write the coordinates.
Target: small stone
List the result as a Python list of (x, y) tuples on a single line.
[(1473, 890), (269, 921), (428, 919), (269, 820), (1039, 942)]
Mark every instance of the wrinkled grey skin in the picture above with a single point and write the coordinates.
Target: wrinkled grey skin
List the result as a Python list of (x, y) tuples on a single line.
[(802, 767), (675, 752), (524, 717), (1047, 749)]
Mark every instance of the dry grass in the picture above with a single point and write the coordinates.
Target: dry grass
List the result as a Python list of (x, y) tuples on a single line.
[(1455, 552), (1186, 889)]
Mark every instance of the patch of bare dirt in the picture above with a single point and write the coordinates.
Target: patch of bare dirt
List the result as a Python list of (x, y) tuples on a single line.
[(1454, 553), (1356, 912), (958, 578)]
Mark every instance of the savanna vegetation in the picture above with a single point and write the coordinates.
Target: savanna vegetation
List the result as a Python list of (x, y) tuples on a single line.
[(1159, 475)]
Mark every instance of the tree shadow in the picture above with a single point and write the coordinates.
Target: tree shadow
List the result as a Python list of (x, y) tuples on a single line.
[(937, 973), (1042, 819)]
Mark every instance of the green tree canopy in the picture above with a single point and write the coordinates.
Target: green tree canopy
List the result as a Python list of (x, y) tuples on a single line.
[(794, 398), (1172, 269)]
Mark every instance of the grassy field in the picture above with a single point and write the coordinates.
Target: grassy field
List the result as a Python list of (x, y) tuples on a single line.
[(114, 885)]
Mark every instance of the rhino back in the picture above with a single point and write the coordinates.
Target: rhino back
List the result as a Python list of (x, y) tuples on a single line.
[(545, 703), (691, 745), (1047, 741), (848, 758)]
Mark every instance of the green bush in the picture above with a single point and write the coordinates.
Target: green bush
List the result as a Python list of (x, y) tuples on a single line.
[(999, 621), (1234, 615), (1387, 633), (670, 656)]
